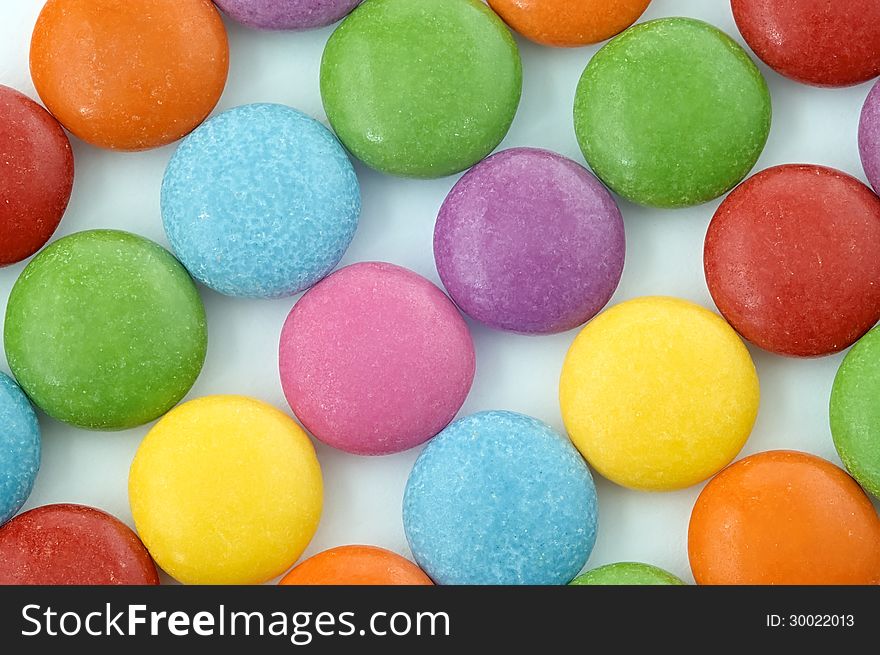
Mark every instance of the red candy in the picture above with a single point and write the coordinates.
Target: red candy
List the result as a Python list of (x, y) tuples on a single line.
[(820, 42), (36, 175), (792, 260), (72, 545)]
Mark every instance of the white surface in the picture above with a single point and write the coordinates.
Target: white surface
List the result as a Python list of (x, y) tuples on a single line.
[(363, 495)]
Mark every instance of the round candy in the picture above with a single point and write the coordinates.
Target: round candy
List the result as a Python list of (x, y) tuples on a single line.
[(855, 411), (225, 490), (105, 330), (421, 88), (569, 24), (500, 498), (356, 565), (375, 359), (658, 393), (672, 113), (869, 136), (72, 545), (791, 260), (36, 175), (820, 42), (260, 201), (129, 74), (627, 573), (286, 14), (784, 518), (19, 448), (529, 241)]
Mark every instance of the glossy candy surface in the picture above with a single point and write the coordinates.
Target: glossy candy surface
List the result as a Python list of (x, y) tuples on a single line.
[(869, 136), (36, 175), (658, 393), (627, 573), (529, 241), (356, 565), (791, 260), (19, 448), (286, 14)]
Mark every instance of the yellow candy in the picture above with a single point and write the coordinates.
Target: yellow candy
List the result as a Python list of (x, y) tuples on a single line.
[(226, 490), (658, 393)]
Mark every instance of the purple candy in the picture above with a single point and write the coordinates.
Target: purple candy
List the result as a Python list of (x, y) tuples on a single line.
[(869, 137), (286, 14), (531, 242)]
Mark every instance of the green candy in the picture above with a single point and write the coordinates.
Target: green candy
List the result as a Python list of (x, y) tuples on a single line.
[(672, 113), (105, 330), (627, 573), (421, 88), (855, 411)]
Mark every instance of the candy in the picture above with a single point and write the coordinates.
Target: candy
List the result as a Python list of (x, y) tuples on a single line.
[(791, 260), (529, 241), (786, 518), (375, 359), (72, 545), (569, 24), (129, 74), (19, 448), (658, 393), (286, 14), (421, 88), (816, 42), (356, 565), (627, 573), (869, 136), (672, 113), (500, 498), (225, 490), (855, 411), (105, 330), (260, 201), (36, 176)]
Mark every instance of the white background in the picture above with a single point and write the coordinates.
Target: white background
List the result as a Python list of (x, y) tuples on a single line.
[(363, 495)]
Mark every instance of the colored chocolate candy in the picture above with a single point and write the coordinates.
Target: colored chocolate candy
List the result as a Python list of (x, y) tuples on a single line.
[(791, 260), (36, 175), (855, 411), (529, 241), (500, 498), (260, 201), (129, 74), (105, 330), (375, 359), (225, 490), (787, 518), (627, 573), (672, 113), (356, 565), (421, 88), (565, 23), (819, 42), (869, 136), (19, 448), (658, 393), (72, 545), (286, 14)]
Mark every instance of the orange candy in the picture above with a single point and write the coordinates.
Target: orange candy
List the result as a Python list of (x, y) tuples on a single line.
[(356, 565), (786, 518), (129, 74), (569, 23)]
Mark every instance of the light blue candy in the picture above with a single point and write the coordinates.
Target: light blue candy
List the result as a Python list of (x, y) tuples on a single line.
[(261, 201), (19, 448), (500, 498)]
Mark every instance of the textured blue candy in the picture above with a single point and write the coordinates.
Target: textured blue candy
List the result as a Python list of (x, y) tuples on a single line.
[(19, 448), (500, 498), (261, 201)]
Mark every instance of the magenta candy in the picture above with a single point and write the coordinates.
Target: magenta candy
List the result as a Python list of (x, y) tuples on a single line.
[(531, 242), (286, 14), (375, 359), (869, 137)]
